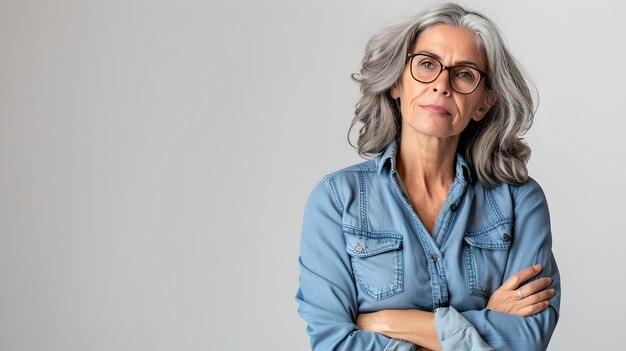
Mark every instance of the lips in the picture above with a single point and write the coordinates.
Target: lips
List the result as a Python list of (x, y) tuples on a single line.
[(436, 109)]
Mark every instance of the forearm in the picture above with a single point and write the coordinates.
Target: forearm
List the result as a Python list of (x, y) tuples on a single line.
[(414, 326)]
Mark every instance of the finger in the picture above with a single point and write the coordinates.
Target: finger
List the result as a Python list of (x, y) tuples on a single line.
[(532, 309), (538, 297), (535, 286), (518, 278)]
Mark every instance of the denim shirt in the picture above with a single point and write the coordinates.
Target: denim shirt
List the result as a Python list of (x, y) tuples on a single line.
[(364, 249)]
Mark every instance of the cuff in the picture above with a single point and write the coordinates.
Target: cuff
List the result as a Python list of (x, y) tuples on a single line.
[(399, 345), (457, 333)]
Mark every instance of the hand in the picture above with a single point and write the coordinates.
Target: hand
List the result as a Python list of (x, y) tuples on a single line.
[(534, 298)]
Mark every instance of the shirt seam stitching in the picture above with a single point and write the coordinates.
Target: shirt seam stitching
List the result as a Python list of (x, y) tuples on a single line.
[(334, 193)]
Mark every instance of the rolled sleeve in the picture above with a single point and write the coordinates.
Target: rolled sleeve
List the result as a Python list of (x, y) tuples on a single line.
[(457, 333), (399, 345)]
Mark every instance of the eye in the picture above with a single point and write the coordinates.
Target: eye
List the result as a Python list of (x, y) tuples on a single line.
[(427, 64), (465, 74)]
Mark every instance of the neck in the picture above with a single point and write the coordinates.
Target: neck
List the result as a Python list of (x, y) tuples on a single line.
[(425, 161)]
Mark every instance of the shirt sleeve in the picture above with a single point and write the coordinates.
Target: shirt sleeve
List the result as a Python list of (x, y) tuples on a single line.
[(327, 295), (457, 333), (532, 245)]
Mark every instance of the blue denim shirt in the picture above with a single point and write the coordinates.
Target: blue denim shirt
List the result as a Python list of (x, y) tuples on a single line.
[(363, 249)]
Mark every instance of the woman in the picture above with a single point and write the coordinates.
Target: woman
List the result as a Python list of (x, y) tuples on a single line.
[(442, 240)]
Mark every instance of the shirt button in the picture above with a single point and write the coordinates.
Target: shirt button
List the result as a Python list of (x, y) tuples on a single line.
[(434, 256), (358, 248), (453, 207), (506, 237)]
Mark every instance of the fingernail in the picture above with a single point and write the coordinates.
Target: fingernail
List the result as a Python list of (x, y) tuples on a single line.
[(549, 280), (537, 267), (552, 291)]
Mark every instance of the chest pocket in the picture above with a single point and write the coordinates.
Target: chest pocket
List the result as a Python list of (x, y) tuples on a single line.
[(486, 252), (377, 263)]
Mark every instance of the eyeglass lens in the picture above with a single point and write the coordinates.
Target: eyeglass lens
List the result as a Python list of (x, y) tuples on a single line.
[(463, 79)]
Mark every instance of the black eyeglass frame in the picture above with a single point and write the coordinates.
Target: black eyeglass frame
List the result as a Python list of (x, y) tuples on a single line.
[(444, 68)]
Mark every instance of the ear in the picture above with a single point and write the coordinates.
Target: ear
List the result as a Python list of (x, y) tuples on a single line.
[(395, 91), (488, 102)]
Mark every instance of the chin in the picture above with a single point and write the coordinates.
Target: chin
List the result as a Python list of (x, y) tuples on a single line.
[(435, 130)]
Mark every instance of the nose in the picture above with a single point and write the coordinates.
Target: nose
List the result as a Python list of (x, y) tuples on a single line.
[(442, 83)]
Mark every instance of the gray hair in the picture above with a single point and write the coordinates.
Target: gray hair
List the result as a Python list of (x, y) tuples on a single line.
[(493, 146)]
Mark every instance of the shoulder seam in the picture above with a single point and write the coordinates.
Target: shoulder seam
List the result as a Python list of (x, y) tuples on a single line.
[(359, 167), (334, 193), (351, 170)]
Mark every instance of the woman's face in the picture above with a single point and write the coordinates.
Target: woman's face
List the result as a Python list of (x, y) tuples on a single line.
[(434, 109)]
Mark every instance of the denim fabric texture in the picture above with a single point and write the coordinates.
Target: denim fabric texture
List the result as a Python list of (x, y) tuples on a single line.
[(364, 249)]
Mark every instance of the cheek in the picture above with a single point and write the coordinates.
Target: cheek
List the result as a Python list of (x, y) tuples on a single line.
[(412, 92), (469, 108)]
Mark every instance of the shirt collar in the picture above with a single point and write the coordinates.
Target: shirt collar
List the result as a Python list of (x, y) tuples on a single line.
[(388, 157)]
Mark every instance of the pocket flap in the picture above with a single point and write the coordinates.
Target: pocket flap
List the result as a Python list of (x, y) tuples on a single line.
[(496, 238), (361, 243)]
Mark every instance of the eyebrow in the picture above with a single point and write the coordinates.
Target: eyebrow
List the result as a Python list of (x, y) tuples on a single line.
[(458, 63)]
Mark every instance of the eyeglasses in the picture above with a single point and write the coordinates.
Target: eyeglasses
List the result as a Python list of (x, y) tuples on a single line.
[(462, 79)]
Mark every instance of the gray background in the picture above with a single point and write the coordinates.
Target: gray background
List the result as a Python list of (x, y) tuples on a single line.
[(156, 156)]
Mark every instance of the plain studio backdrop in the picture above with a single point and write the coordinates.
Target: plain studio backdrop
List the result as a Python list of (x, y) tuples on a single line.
[(156, 156)]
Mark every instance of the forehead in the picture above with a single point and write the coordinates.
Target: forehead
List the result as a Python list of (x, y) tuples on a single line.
[(451, 44)]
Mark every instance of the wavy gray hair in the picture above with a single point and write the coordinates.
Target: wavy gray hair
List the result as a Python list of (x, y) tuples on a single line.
[(494, 146)]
